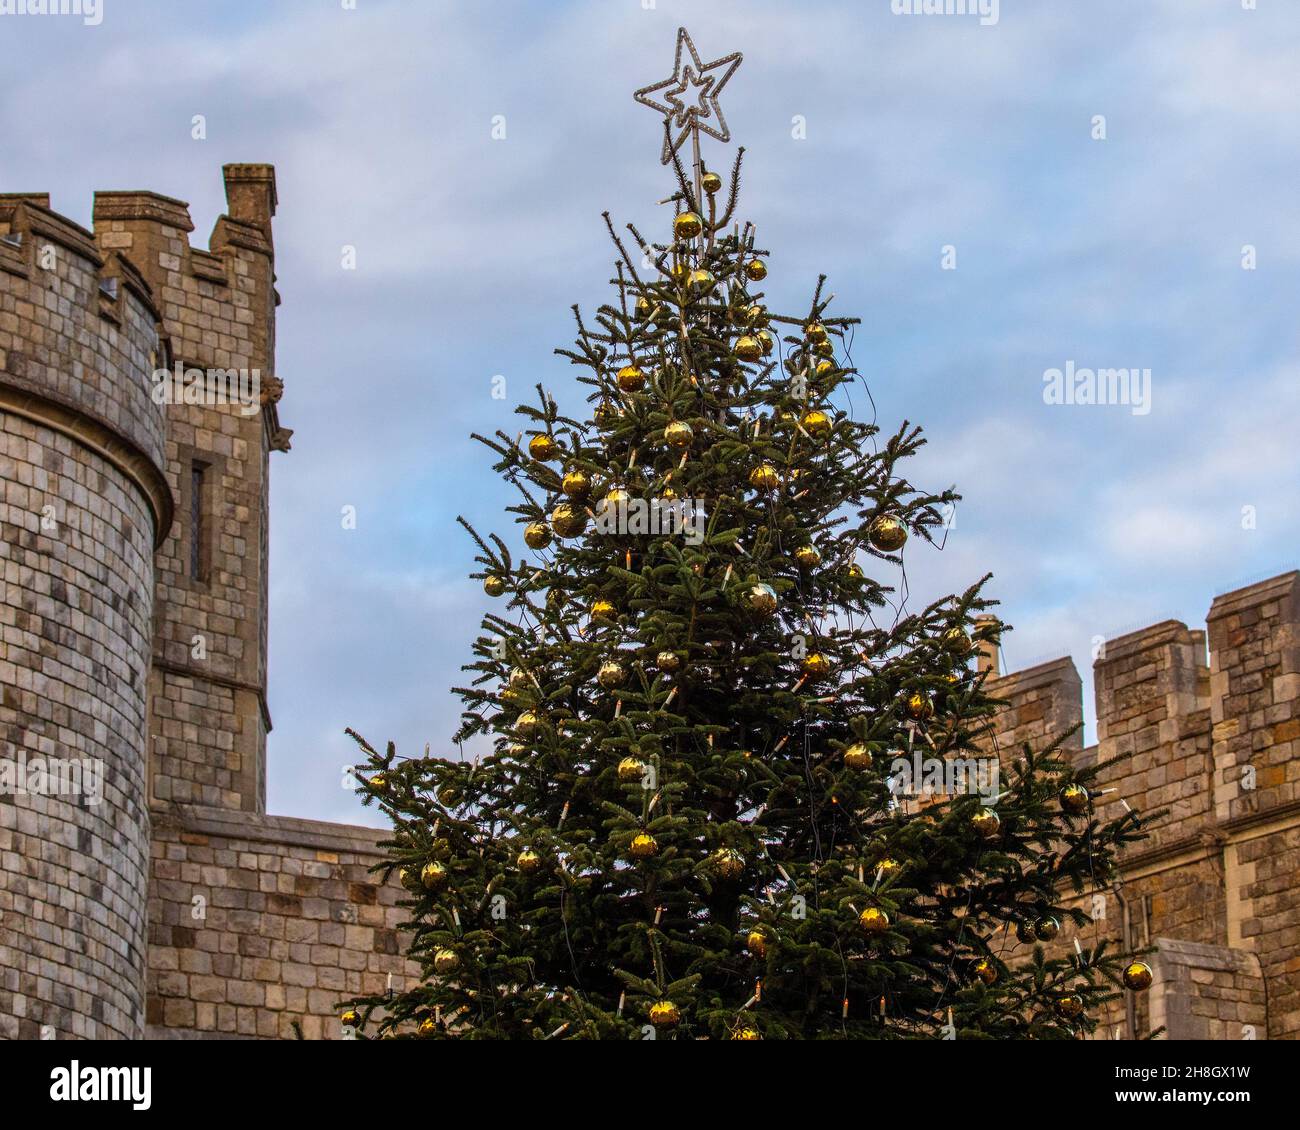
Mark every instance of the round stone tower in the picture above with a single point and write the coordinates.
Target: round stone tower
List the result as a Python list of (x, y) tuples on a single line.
[(83, 504)]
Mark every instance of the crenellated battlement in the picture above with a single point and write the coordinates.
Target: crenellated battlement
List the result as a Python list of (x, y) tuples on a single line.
[(1206, 744)]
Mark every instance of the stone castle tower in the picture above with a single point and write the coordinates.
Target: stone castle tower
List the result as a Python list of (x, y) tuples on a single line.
[(149, 893)]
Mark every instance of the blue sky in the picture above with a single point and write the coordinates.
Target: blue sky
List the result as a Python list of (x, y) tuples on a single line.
[(921, 132)]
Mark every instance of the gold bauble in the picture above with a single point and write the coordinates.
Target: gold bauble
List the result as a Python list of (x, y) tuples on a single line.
[(762, 599), (854, 574), (956, 641), (528, 725), (687, 225), (433, 876), (1138, 976), (351, 1019), (576, 484), (711, 183), (887, 867), (603, 610), (631, 378), (378, 782), (756, 943), (611, 675), (765, 477), (528, 861), (1025, 933), (427, 1026), (668, 495), (746, 1033), (1046, 928), (445, 961), (815, 665), (567, 520), (1069, 1005), (728, 863), (537, 535), (644, 307), (985, 970), (766, 341), (679, 273), (816, 423), (678, 434), (807, 556), (701, 281), (493, 585), (668, 661), (748, 348), (519, 679), (986, 822), (643, 846), (857, 756), (631, 770), (665, 1014), (919, 706), (757, 316), (824, 349), (886, 533), (815, 332), (825, 368), (615, 498), (1074, 799), (874, 920), (543, 447), (756, 269)]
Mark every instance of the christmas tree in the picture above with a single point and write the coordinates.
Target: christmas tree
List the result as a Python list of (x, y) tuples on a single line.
[(707, 714)]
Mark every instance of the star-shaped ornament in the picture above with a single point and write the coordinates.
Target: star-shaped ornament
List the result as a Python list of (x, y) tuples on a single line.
[(689, 100)]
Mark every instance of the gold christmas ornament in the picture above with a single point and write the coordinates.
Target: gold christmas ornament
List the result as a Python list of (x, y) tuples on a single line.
[(631, 770), (567, 520), (1069, 1005), (728, 863), (668, 661), (765, 477), (985, 970), (824, 349), (766, 342), (816, 423), (746, 1033), (427, 1026), (680, 273), (644, 307), (678, 434), (528, 861), (445, 961), (756, 269), (701, 281), (433, 876), (886, 533), (528, 725), (611, 675), (986, 822), (643, 846), (919, 706), (631, 378), (603, 610), (1074, 799), (748, 348), (351, 1019), (576, 484), (687, 225), (815, 332), (1138, 976), (1025, 933), (762, 600), (815, 665), (543, 448), (665, 1014), (825, 368), (757, 316), (711, 183), (874, 920), (857, 756), (378, 782), (493, 585), (887, 867), (807, 556), (616, 497), (1046, 928), (756, 943), (854, 574), (668, 495), (537, 535)]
